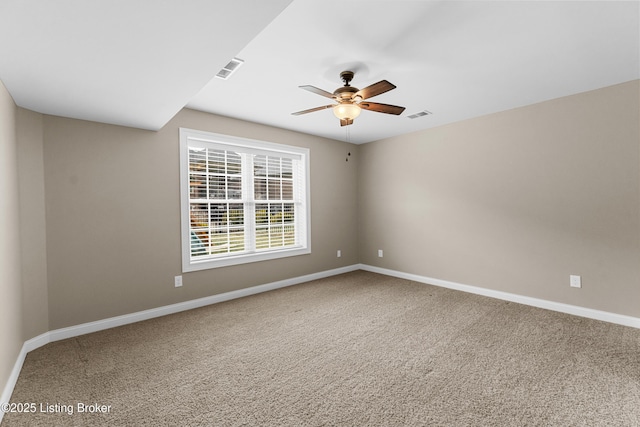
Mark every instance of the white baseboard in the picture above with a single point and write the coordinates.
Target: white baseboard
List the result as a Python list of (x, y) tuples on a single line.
[(112, 322), (605, 316), (13, 378)]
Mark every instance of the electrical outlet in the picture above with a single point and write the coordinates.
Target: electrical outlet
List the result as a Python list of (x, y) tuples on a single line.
[(575, 281), (177, 281), (380, 253), (339, 253)]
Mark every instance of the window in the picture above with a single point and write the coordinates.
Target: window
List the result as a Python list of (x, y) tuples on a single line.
[(241, 200)]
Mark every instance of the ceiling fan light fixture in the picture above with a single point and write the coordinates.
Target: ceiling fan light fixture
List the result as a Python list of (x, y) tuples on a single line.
[(346, 111)]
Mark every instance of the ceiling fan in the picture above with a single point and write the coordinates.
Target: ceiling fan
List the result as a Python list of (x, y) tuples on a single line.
[(352, 100)]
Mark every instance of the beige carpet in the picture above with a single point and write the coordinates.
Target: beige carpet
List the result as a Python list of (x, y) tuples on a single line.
[(360, 349)]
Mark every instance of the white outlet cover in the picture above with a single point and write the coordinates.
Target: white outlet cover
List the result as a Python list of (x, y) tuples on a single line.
[(380, 253), (575, 281), (177, 281)]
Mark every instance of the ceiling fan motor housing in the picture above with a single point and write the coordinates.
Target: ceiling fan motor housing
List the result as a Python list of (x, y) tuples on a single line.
[(345, 93)]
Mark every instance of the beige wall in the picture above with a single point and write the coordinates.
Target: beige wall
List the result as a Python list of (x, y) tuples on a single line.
[(113, 216), (11, 339), (515, 201), (35, 311)]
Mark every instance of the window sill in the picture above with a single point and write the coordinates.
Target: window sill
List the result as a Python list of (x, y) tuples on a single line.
[(226, 261)]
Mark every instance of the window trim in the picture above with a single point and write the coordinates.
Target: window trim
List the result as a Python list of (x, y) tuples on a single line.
[(250, 146)]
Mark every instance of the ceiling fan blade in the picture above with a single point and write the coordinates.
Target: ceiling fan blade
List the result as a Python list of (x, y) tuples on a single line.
[(311, 110), (375, 89), (346, 122), (382, 108), (317, 90)]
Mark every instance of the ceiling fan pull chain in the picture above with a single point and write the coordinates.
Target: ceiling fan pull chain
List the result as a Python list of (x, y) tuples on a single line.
[(348, 139)]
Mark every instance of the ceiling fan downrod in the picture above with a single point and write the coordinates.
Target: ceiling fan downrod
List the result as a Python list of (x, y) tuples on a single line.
[(346, 77)]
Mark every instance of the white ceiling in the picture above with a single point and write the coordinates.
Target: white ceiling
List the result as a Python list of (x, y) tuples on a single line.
[(137, 63), (128, 62)]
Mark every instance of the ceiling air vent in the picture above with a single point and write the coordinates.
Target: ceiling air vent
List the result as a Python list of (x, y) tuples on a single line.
[(420, 114), (230, 68)]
